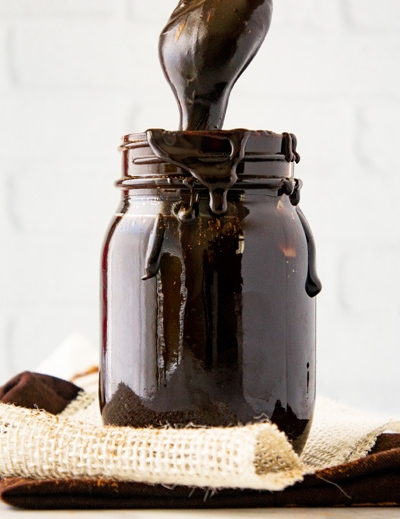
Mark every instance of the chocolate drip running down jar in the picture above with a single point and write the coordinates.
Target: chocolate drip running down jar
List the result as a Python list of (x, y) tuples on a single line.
[(208, 285)]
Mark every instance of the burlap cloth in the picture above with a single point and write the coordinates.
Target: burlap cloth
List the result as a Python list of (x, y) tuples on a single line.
[(54, 453)]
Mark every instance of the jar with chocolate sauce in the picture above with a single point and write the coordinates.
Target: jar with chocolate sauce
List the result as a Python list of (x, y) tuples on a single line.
[(208, 285)]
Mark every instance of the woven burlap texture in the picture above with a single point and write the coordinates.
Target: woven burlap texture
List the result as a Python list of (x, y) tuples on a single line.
[(36, 444), (74, 444)]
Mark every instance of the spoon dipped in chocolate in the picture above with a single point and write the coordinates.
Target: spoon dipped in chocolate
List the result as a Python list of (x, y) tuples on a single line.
[(204, 48)]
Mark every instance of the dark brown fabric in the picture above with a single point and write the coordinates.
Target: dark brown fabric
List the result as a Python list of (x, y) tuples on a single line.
[(371, 481), (34, 390)]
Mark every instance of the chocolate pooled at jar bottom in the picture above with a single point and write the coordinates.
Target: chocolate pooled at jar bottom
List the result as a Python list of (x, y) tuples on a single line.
[(209, 319)]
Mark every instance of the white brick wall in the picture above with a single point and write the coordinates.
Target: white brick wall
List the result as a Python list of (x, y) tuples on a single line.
[(372, 16), (47, 8), (77, 74)]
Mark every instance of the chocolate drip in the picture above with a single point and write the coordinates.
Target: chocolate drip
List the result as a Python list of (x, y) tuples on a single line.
[(289, 147), (313, 283), (204, 48), (210, 157), (153, 255)]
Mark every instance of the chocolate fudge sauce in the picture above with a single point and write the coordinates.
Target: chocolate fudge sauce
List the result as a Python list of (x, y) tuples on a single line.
[(210, 157), (204, 48)]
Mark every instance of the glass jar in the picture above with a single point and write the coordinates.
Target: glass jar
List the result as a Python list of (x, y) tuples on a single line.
[(208, 308)]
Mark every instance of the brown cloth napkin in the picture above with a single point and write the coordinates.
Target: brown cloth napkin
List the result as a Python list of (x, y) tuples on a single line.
[(34, 390), (370, 481)]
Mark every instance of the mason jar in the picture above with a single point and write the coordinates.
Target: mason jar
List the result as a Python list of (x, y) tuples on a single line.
[(208, 288)]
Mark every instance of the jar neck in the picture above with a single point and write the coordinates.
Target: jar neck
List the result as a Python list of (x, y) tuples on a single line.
[(218, 160)]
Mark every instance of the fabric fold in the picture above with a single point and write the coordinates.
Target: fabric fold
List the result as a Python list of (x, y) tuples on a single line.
[(38, 391), (253, 456)]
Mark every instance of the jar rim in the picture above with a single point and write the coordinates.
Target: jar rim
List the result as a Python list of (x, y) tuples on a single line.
[(261, 144)]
